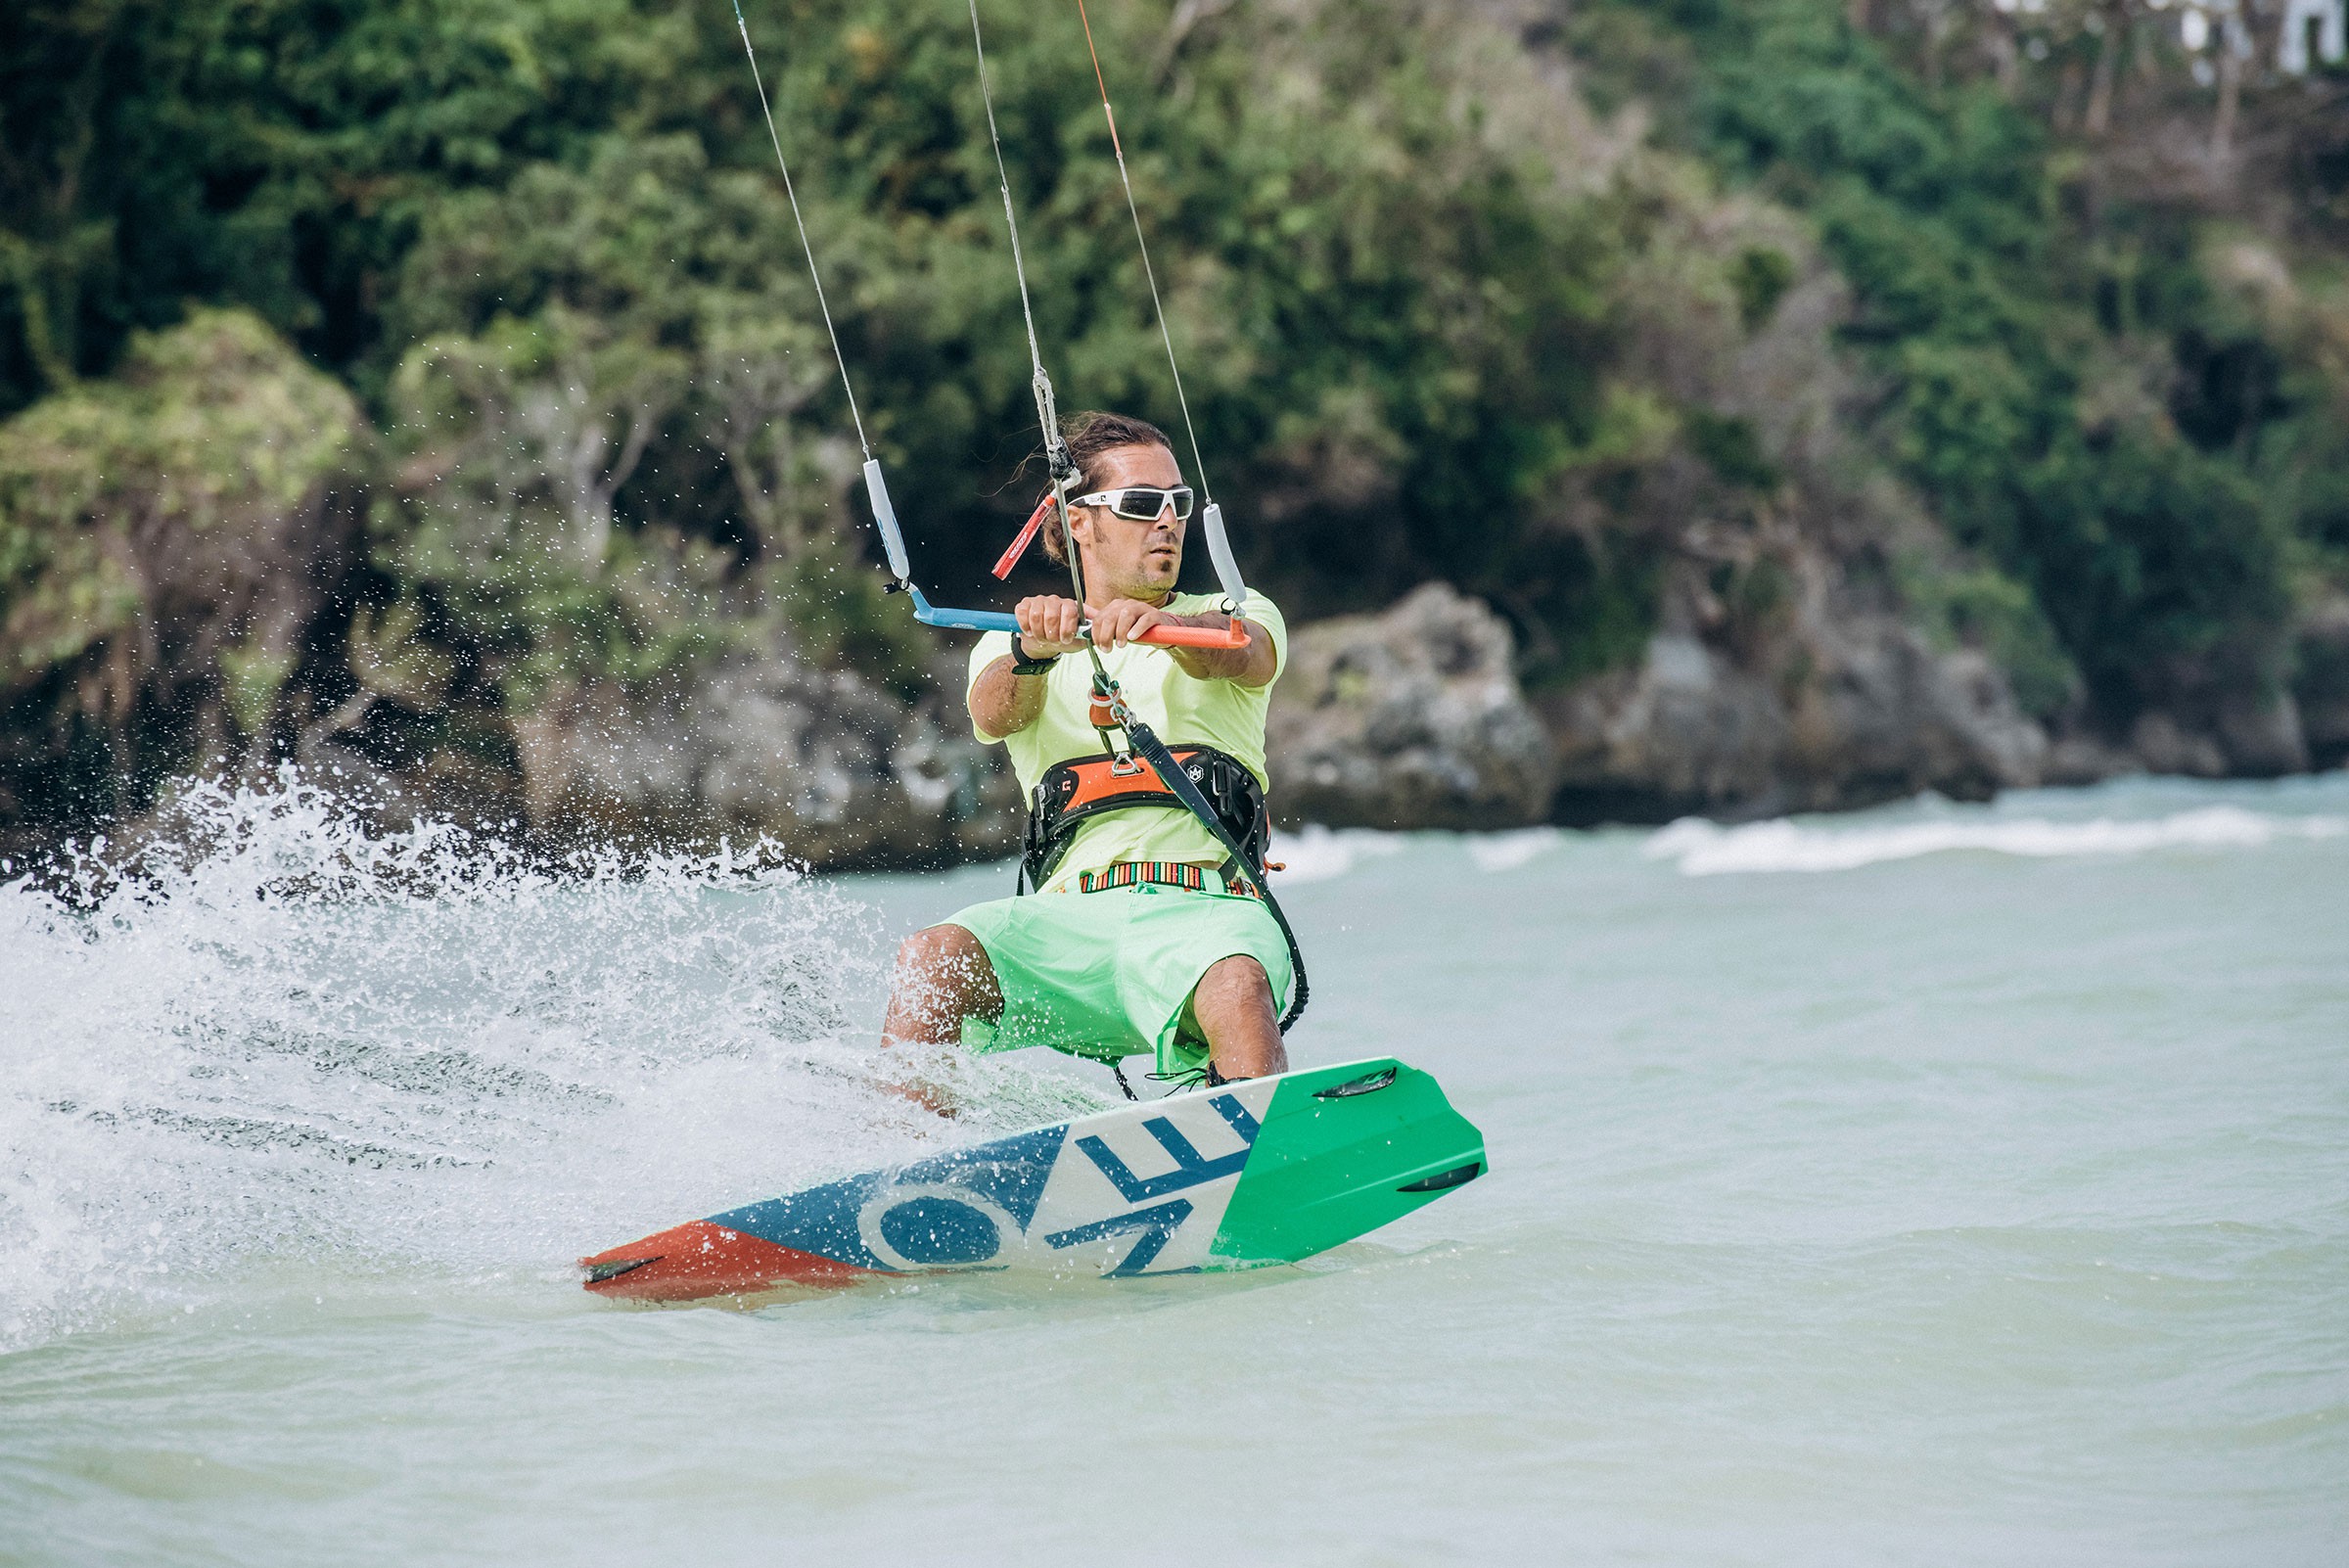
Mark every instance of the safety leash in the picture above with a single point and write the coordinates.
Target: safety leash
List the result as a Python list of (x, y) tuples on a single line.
[(1158, 308), (1150, 749), (1047, 411)]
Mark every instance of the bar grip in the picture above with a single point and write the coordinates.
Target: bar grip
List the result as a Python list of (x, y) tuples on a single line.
[(929, 615), (1234, 635)]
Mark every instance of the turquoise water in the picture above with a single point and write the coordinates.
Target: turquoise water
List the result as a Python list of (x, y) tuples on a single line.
[(1937, 1184)]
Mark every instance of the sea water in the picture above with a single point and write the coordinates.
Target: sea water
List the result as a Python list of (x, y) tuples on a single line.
[(1937, 1184)]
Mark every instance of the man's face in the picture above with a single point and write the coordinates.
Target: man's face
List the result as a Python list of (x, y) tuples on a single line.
[(1124, 559)]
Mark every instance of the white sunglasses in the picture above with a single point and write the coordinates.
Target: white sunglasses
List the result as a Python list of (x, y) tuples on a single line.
[(1140, 503)]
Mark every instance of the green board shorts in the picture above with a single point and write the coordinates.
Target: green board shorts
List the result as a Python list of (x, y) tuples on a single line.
[(1108, 975)]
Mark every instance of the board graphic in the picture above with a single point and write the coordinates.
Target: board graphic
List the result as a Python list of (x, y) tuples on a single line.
[(1265, 1171)]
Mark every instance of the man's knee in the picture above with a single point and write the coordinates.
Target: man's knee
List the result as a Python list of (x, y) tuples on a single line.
[(1238, 975), (1233, 1008), (1234, 990), (936, 947), (946, 961), (1241, 967)]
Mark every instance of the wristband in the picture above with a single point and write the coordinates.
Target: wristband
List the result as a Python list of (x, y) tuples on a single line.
[(1022, 665)]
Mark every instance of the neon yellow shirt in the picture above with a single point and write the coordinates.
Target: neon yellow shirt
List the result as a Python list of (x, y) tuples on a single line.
[(1181, 709)]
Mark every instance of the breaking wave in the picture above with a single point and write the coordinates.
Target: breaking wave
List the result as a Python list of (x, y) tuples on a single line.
[(1316, 854), (277, 1033), (1705, 848)]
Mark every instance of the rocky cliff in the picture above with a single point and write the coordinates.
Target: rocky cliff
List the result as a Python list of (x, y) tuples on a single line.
[(1415, 717), (840, 771), (1410, 717)]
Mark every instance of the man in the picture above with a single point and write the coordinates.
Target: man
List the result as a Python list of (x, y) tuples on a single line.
[(1134, 939)]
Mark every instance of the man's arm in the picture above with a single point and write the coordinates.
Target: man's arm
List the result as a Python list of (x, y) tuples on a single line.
[(1253, 666), (1003, 703)]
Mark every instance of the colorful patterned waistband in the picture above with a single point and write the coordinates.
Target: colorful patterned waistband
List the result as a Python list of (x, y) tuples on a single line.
[(1163, 873)]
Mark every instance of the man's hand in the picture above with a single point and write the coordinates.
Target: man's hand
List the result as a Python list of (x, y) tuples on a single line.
[(1003, 703), (1049, 627), (1123, 620)]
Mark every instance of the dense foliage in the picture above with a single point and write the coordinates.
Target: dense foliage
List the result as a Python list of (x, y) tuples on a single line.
[(1438, 320), (2083, 399), (1351, 271), (546, 248)]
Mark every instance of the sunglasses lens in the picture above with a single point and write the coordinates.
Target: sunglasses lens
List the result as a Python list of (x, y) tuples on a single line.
[(1140, 503)]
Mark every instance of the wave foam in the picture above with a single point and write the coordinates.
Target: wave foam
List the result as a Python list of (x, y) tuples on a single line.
[(1706, 849), (1316, 854), (1506, 852)]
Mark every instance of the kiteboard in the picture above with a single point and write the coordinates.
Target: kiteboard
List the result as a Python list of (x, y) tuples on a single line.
[(1262, 1171)]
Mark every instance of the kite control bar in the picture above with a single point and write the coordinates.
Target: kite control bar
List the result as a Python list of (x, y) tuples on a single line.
[(893, 544), (930, 615), (1232, 636)]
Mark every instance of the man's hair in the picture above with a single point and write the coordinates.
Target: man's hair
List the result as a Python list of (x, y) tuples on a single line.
[(1090, 434)]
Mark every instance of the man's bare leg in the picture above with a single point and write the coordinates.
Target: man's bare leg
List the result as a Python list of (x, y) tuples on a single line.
[(942, 977), (1232, 1005)]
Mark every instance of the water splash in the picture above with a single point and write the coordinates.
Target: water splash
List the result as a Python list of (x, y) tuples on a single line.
[(275, 1032)]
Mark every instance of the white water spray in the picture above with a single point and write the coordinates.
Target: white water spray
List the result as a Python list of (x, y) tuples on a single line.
[(286, 1037)]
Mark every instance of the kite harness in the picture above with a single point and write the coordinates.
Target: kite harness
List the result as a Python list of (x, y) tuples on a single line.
[(1243, 870), (1083, 787)]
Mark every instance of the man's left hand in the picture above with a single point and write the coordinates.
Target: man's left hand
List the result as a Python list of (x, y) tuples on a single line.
[(1122, 621)]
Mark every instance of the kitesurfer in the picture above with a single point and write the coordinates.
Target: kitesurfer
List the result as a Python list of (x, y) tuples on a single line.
[(1138, 938)]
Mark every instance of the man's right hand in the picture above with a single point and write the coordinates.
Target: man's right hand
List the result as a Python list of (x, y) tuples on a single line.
[(1048, 625)]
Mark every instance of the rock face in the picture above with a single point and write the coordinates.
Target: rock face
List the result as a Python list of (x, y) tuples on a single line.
[(1883, 715), (2323, 687), (839, 771), (1414, 717), (1407, 718)]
